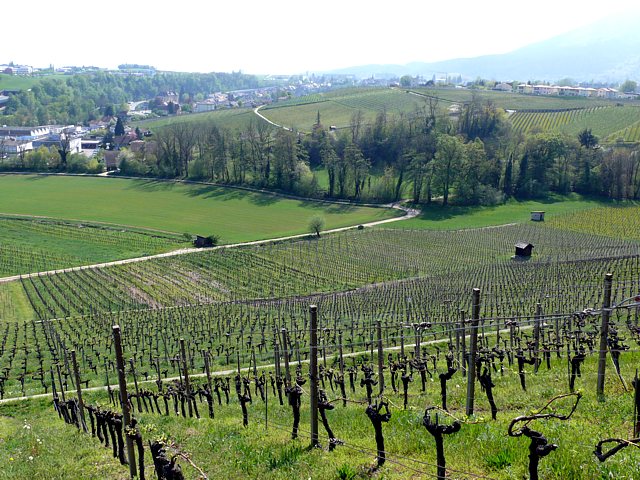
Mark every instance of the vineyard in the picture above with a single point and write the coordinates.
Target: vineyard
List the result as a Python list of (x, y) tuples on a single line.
[(228, 364), (608, 123), (32, 245), (338, 107)]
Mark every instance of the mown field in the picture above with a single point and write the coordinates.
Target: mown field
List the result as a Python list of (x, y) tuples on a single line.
[(435, 217), (235, 215)]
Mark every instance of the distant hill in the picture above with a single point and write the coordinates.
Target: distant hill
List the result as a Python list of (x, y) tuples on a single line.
[(606, 51)]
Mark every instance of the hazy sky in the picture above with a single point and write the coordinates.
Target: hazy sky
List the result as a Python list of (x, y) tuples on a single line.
[(280, 36)]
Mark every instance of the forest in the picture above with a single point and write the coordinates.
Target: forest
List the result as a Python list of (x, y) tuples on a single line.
[(78, 99)]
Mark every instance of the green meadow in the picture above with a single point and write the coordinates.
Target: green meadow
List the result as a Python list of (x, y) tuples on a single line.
[(233, 214), (436, 217)]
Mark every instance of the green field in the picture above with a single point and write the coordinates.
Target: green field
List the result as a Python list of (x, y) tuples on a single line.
[(233, 119), (607, 123), (514, 211), (15, 82), (33, 245), (516, 101), (336, 108), (235, 215)]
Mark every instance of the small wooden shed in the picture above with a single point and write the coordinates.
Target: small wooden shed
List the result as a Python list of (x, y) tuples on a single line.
[(537, 216), (523, 249), (202, 242)]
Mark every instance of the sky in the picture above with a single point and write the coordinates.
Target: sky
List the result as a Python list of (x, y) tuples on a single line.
[(280, 36)]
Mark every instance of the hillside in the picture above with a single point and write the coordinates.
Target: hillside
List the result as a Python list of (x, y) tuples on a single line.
[(605, 51)]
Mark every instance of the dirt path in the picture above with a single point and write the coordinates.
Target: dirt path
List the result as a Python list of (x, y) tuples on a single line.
[(257, 112), (409, 213)]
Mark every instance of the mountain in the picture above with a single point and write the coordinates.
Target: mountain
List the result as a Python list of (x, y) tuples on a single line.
[(605, 51)]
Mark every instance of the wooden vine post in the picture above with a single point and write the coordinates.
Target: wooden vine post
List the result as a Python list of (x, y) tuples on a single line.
[(124, 399), (187, 386), (207, 369), (536, 336), (380, 357), (473, 347), (76, 374), (285, 350), (604, 334), (313, 373)]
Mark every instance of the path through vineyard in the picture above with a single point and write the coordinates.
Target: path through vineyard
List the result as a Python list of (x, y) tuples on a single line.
[(409, 213)]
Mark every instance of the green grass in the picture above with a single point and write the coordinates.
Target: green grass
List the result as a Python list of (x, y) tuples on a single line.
[(336, 108), (14, 304), (516, 101), (32, 245), (15, 82), (234, 119), (223, 448), (235, 215), (456, 217)]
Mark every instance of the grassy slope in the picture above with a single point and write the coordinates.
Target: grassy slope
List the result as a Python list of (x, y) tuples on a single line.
[(455, 217), (223, 448), (14, 304), (234, 119), (235, 215), (14, 82)]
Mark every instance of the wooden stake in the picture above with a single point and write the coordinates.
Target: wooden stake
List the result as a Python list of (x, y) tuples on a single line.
[(76, 374), (604, 334), (471, 363), (124, 399), (313, 373)]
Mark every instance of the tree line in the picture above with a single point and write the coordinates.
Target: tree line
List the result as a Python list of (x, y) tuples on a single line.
[(80, 98), (474, 158)]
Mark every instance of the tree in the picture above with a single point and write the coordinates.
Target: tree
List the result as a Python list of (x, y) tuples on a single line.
[(316, 224), (587, 139), (447, 162), (119, 128), (405, 81), (507, 182), (629, 86)]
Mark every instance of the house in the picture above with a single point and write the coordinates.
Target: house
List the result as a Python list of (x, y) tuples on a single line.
[(525, 88), (166, 97), (523, 250), (205, 106), (503, 87), (15, 147), (25, 132), (537, 216)]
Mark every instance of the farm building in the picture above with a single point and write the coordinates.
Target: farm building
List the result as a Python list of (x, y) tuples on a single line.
[(523, 249), (537, 216)]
